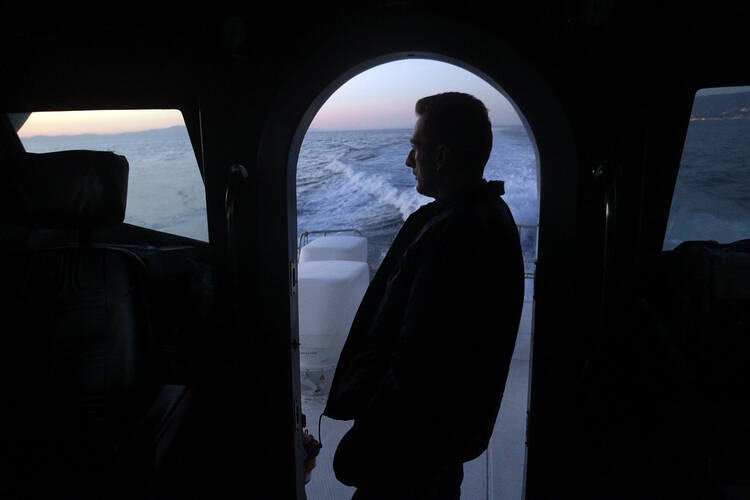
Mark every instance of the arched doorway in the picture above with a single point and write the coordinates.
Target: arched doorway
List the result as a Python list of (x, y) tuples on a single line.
[(370, 43), (351, 179)]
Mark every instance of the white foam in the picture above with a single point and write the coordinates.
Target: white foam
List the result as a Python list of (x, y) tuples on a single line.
[(405, 201), (696, 215)]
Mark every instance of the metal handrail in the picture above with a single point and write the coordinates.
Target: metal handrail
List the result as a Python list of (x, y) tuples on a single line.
[(305, 237), (532, 274)]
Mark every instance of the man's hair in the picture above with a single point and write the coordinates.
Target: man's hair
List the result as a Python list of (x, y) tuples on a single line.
[(460, 121)]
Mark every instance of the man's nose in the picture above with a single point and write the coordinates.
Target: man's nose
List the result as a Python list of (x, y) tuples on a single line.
[(410, 159)]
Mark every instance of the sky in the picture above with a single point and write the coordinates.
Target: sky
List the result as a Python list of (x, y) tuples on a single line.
[(98, 122), (381, 97), (384, 96)]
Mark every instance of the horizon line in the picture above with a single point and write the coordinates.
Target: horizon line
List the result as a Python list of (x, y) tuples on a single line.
[(103, 133), (404, 127), (311, 129)]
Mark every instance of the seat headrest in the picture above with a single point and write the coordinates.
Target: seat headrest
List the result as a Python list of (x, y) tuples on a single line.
[(65, 189)]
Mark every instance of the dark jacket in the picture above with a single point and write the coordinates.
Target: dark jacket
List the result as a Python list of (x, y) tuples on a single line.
[(423, 369)]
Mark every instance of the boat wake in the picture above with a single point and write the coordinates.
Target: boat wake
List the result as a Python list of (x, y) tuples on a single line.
[(405, 201)]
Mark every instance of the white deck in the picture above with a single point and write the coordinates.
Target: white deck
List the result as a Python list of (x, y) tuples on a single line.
[(496, 474)]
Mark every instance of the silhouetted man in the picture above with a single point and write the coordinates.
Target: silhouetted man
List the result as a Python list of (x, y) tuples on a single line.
[(424, 366)]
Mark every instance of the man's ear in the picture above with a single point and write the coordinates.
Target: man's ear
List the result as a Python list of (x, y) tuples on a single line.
[(442, 153)]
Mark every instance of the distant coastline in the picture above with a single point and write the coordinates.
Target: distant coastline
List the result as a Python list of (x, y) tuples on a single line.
[(744, 114), (176, 128), (720, 107), (391, 129), (166, 130), (717, 118)]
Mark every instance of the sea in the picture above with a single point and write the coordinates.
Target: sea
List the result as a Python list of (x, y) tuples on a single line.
[(358, 180), (712, 193), (165, 187), (345, 180)]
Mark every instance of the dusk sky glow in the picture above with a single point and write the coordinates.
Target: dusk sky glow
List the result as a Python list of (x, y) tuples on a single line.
[(381, 97), (384, 96), (98, 122)]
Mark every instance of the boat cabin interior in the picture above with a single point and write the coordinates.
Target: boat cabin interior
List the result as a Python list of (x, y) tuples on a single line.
[(137, 363)]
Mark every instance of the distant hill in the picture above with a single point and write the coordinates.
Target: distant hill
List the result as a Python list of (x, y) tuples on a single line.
[(721, 107), (151, 133)]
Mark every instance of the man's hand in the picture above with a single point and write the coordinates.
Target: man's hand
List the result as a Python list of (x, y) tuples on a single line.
[(312, 448)]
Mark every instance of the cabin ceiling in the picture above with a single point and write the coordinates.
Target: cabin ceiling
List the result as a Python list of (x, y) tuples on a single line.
[(89, 59)]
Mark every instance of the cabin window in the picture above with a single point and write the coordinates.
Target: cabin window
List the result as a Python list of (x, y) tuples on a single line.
[(711, 198), (165, 188)]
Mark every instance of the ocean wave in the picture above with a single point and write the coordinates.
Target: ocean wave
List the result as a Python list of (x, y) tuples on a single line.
[(365, 155), (405, 201)]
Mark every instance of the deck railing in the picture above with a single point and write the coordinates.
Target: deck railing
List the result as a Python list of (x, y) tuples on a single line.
[(535, 227), (304, 239)]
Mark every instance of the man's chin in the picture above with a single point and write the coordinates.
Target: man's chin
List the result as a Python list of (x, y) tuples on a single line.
[(423, 192)]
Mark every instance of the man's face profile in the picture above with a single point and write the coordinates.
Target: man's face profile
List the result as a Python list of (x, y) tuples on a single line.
[(421, 161)]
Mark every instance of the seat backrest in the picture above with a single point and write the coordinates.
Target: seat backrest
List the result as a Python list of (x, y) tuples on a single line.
[(697, 362), (75, 367)]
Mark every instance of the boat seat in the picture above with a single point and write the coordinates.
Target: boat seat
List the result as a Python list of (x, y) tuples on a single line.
[(695, 370), (329, 294), (84, 412), (335, 248)]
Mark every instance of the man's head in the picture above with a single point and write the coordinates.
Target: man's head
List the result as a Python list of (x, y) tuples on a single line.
[(451, 142)]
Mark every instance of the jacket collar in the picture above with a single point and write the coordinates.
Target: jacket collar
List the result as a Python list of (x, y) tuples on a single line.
[(471, 192)]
